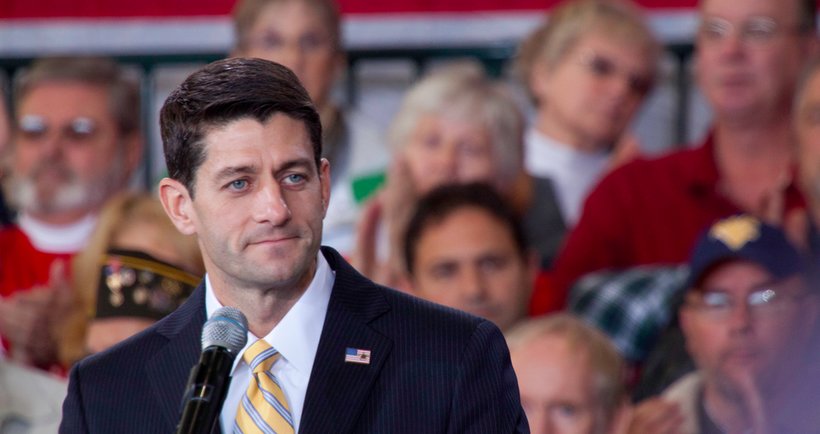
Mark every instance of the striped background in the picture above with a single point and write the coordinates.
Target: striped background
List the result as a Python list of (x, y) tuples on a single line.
[(161, 26)]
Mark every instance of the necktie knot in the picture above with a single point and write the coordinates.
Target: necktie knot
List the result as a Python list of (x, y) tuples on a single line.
[(260, 356)]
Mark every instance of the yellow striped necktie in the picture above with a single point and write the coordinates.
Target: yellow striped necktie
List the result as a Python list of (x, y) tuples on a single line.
[(264, 408)]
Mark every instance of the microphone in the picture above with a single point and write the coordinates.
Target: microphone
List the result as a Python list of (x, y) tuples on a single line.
[(223, 336)]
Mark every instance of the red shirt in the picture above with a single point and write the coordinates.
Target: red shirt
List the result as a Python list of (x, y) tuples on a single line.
[(22, 266), (649, 211)]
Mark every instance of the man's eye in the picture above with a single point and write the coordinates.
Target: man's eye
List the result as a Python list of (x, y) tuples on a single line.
[(492, 264), (239, 184), (716, 300), (295, 179), (566, 410), (445, 271)]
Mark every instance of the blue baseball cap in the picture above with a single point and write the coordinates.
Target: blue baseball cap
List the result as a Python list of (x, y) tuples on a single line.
[(744, 238)]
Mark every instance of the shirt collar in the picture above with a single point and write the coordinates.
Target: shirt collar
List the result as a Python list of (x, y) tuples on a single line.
[(545, 150), (69, 238), (297, 335)]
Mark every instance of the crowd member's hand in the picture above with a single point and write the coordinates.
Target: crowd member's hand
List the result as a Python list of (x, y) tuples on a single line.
[(367, 230), (794, 223), (28, 319), (653, 416), (391, 209)]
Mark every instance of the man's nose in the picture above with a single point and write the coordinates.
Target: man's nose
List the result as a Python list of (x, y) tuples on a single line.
[(740, 317), (732, 45), (52, 145), (270, 205), (473, 284)]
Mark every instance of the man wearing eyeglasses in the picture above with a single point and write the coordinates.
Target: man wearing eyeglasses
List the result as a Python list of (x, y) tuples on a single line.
[(748, 318), (75, 142), (649, 212)]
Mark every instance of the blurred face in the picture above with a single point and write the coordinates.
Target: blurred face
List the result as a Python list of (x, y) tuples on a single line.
[(294, 34), (588, 99), (807, 129), (259, 205), (555, 382), (749, 55), (443, 150), (469, 261), (743, 324), (67, 156)]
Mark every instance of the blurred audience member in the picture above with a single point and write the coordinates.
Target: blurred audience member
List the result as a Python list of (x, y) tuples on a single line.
[(305, 36), (30, 400), (465, 248), (747, 319), (75, 142), (749, 56), (454, 126), (570, 376), (136, 269), (588, 68)]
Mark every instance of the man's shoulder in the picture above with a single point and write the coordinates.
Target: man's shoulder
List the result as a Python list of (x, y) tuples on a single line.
[(402, 315), (675, 163), (130, 355), (411, 309)]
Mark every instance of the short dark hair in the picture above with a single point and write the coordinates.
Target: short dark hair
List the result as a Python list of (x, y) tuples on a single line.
[(443, 201), (105, 72), (225, 91)]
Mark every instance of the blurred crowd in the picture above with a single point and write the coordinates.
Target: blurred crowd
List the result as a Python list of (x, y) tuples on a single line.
[(668, 294)]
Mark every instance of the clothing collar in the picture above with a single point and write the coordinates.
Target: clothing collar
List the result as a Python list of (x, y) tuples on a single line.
[(542, 150), (705, 180), (297, 335), (48, 238)]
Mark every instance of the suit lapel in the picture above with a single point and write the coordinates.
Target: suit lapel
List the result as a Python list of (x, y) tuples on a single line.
[(338, 390), (169, 369)]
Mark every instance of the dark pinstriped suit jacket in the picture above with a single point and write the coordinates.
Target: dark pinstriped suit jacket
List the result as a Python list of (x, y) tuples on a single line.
[(432, 370)]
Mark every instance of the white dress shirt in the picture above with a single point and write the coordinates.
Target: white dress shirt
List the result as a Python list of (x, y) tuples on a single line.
[(296, 337), (573, 172)]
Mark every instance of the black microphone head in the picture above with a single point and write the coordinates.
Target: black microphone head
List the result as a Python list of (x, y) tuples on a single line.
[(227, 328)]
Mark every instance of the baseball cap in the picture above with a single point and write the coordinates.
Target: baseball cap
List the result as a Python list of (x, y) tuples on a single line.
[(746, 238)]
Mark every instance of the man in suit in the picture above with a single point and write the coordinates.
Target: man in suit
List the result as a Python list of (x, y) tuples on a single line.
[(243, 144)]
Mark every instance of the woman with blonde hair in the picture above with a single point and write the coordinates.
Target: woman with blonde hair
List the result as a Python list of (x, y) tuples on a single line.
[(588, 69), (135, 269)]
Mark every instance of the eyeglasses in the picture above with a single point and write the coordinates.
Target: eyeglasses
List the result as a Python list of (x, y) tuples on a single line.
[(34, 127), (604, 67), (755, 30), (764, 302)]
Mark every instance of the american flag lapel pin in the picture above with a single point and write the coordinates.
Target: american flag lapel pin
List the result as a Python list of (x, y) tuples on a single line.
[(357, 355)]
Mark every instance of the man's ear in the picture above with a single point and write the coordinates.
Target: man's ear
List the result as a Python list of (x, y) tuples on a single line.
[(178, 205), (324, 176)]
